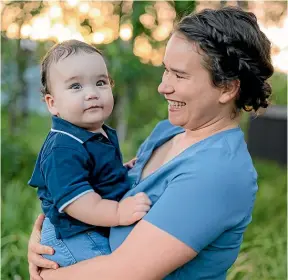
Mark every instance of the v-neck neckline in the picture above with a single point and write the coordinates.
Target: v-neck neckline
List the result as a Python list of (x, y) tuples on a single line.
[(165, 140), (156, 146)]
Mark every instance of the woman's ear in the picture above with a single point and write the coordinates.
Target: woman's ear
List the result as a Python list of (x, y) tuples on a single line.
[(51, 104), (230, 91)]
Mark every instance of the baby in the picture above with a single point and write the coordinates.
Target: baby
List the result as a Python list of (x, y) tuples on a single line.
[(79, 171)]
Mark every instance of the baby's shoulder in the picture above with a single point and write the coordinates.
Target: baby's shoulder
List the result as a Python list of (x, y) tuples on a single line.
[(62, 143)]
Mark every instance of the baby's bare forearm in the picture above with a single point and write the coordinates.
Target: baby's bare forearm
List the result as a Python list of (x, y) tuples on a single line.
[(92, 209), (107, 213)]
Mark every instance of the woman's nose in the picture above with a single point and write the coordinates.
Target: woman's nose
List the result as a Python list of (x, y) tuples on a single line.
[(165, 88)]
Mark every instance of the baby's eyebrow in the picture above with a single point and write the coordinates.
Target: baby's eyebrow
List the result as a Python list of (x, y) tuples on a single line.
[(103, 76), (72, 79)]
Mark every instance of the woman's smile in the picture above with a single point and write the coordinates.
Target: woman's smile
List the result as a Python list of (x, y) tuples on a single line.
[(175, 105)]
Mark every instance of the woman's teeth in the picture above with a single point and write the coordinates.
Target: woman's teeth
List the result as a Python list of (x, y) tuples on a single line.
[(176, 104)]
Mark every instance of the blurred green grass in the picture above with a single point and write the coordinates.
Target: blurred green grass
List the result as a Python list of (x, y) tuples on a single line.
[(279, 88)]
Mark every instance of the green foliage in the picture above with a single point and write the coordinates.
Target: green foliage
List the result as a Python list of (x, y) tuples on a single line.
[(17, 159), (263, 252), (19, 208), (183, 8), (279, 88), (138, 10)]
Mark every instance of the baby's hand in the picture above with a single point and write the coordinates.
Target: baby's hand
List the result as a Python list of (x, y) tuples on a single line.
[(133, 208), (130, 163)]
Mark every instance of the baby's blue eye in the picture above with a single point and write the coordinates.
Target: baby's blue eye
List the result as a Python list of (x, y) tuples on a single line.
[(75, 86), (101, 83)]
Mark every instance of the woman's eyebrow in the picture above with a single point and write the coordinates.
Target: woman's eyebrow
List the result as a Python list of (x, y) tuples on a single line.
[(176, 70)]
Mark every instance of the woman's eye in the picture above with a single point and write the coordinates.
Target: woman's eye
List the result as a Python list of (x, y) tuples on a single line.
[(75, 86), (101, 83), (179, 77)]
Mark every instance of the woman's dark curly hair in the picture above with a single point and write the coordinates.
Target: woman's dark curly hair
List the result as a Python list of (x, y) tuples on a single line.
[(61, 51), (234, 49)]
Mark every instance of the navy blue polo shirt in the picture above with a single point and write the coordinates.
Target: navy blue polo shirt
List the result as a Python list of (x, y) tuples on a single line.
[(73, 162)]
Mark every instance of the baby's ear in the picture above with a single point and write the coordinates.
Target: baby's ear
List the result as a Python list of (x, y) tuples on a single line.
[(51, 105)]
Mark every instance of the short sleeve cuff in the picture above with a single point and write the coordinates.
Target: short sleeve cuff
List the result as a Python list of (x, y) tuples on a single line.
[(71, 197), (181, 237)]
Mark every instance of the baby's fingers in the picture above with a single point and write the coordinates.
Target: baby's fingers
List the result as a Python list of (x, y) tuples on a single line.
[(139, 215), (143, 198), (142, 208)]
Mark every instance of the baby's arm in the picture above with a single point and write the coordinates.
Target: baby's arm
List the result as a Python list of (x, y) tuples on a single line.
[(92, 209), (66, 174)]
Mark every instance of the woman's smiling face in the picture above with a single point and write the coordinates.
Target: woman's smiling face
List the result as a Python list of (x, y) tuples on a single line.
[(193, 101)]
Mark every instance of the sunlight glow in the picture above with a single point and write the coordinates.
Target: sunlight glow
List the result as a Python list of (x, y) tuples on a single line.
[(157, 57), (98, 37), (162, 32), (63, 22), (278, 36), (25, 31), (55, 12), (84, 8), (94, 13), (72, 3), (142, 47), (12, 31), (147, 20), (78, 36), (40, 28), (125, 32)]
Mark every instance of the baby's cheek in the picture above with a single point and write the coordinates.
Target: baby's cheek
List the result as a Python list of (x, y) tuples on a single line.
[(76, 106), (109, 104)]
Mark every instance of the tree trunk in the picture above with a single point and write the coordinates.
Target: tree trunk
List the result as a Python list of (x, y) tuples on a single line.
[(18, 98), (121, 112), (23, 64)]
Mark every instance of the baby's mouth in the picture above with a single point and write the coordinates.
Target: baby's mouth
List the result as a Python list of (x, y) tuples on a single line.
[(93, 107)]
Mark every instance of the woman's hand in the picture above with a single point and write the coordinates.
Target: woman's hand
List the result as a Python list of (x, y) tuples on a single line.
[(35, 249)]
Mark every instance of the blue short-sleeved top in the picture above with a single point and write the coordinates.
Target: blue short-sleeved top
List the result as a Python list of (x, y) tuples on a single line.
[(203, 197), (72, 162)]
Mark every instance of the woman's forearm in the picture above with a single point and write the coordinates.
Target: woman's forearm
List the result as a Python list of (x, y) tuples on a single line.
[(92, 269), (107, 267)]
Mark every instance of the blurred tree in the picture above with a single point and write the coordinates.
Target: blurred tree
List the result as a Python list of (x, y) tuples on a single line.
[(15, 86), (151, 21)]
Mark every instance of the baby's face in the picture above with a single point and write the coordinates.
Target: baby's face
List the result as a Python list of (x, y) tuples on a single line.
[(80, 90)]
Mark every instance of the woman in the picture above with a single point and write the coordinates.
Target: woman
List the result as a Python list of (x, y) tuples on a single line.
[(195, 167)]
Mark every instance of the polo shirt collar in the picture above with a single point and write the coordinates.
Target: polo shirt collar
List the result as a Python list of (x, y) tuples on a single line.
[(76, 132)]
